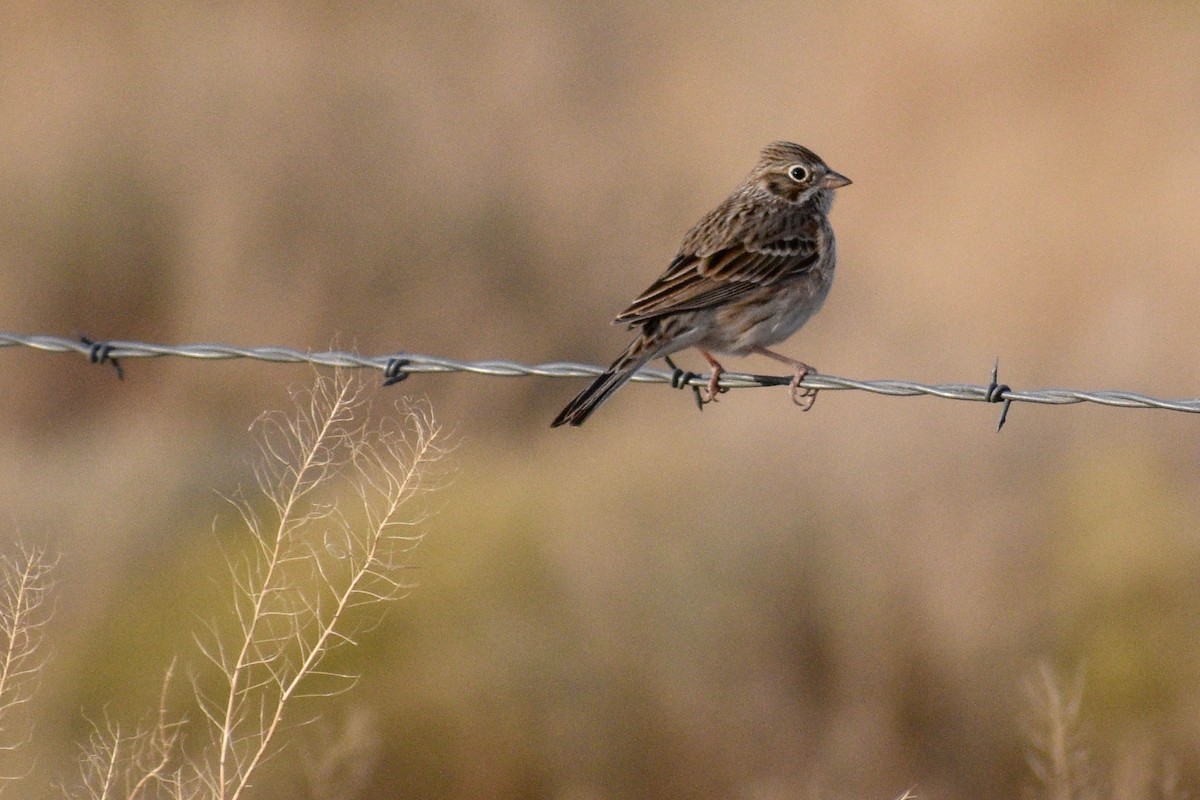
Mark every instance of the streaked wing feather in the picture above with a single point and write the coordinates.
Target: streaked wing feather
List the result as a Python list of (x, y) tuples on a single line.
[(692, 283)]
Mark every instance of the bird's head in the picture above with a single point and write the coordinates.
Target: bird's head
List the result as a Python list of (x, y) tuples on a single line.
[(794, 173)]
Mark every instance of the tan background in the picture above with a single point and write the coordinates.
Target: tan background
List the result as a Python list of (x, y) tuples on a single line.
[(748, 603)]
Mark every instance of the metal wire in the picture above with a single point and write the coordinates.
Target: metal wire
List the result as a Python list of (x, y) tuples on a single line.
[(398, 365)]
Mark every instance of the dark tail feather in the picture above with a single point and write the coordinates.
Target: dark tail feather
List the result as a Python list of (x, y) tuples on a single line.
[(587, 401)]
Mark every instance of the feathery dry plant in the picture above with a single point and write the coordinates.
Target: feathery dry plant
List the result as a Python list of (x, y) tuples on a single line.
[(136, 765), (329, 550), (24, 584), (1057, 754)]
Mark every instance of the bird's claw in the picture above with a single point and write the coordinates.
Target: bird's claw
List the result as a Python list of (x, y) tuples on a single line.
[(714, 388), (802, 396)]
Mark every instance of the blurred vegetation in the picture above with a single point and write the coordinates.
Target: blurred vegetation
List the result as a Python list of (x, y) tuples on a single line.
[(748, 603)]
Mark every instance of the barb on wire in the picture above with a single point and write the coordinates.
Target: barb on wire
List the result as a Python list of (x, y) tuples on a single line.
[(398, 366), (100, 353), (681, 379), (998, 393)]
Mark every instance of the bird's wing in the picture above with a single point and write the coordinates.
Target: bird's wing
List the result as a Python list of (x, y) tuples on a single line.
[(694, 281)]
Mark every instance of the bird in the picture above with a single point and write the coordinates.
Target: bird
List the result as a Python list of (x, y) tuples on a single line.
[(747, 276)]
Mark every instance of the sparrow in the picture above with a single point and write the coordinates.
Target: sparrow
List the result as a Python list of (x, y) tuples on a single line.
[(747, 276)]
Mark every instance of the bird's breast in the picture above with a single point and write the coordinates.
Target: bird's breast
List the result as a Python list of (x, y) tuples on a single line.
[(768, 315)]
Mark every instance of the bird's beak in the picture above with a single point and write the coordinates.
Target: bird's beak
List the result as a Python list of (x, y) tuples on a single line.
[(834, 180)]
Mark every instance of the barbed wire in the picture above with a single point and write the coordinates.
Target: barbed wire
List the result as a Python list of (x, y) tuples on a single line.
[(398, 366)]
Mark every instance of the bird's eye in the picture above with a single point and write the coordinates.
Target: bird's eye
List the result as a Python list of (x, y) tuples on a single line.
[(799, 173)]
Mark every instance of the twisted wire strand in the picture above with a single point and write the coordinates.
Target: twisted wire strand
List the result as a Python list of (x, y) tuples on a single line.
[(401, 364)]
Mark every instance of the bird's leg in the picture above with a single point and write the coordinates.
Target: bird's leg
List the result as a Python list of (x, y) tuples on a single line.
[(714, 381), (802, 397)]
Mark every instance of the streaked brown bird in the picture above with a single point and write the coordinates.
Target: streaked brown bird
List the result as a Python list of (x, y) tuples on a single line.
[(747, 276)]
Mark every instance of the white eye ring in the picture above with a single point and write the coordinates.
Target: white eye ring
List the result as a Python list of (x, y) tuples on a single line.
[(799, 173)]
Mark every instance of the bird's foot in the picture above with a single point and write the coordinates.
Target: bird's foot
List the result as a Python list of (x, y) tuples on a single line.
[(714, 388), (802, 396)]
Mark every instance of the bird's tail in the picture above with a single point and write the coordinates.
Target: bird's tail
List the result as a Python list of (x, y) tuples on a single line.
[(613, 378)]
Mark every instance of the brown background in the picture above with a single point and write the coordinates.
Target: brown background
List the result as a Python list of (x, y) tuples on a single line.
[(748, 603)]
